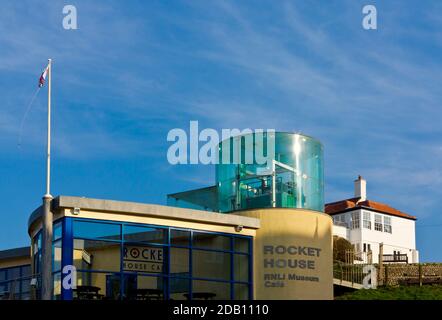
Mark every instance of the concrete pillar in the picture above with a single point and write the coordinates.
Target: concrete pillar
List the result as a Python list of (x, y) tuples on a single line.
[(46, 258)]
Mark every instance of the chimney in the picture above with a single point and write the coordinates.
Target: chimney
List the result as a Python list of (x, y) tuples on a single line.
[(361, 188)]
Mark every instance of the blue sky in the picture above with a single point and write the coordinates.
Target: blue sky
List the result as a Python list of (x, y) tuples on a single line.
[(136, 69)]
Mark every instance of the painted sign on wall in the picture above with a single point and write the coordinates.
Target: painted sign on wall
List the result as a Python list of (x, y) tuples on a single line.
[(286, 263), (143, 259)]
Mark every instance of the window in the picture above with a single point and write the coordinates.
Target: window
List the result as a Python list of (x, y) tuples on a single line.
[(216, 290), (211, 264), (339, 220), (241, 245), (378, 222), (14, 282), (179, 261), (387, 224), (94, 230), (36, 251), (96, 255), (179, 287), (128, 260), (355, 220), (56, 256), (211, 241), (57, 231), (144, 234), (241, 292), (179, 237), (241, 267), (367, 220)]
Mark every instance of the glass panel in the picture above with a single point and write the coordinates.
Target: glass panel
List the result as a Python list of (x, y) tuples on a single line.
[(14, 287), (56, 255), (145, 234), (241, 245), (211, 241), (241, 267), (179, 288), (57, 286), (355, 218), (142, 258), (179, 261), (26, 296), (246, 184), (96, 255), (241, 291), (387, 224), (57, 231), (179, 237), (26, 285), (208, 290), (97, 286), (26, 271), (14, 273), (95, 230), (2, 275), (211, 265), (139, 287), (37, 243), (37, 262), (4, 290), (199, 199), (378, 222)]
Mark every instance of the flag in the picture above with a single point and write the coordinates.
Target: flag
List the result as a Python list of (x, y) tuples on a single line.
[(41, 82)]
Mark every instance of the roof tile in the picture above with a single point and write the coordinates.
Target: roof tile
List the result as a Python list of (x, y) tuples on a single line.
[(339, 206)]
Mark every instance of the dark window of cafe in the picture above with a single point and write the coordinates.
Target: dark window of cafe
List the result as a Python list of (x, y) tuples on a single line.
[(126, 261)]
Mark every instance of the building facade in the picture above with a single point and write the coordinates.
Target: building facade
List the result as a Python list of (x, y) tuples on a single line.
[(371, 225), (15, 274), (259, 233)]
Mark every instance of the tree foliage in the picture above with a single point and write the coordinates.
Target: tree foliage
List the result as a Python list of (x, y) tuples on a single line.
[(340, 246)]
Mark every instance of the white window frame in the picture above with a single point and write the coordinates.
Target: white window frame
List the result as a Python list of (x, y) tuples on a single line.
[(378, 223), (366, 222), (355, 220), (387, 226)]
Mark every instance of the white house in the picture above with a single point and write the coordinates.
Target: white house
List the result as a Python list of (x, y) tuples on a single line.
[(368, 224)]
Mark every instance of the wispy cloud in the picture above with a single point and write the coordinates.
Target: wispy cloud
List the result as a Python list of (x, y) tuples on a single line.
[(135, 70), (372, 99)]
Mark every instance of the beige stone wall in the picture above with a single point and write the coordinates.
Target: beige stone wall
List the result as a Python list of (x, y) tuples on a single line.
[(304, 236), (397, 274), (7, 263)]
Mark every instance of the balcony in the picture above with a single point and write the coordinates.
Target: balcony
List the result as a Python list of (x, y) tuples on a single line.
[(395, 258)]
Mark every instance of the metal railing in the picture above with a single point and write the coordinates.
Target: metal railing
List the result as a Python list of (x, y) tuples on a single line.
[(396, 257)]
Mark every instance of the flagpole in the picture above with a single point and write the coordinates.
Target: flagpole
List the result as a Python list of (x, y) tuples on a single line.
[(46, 263), (48, 164)]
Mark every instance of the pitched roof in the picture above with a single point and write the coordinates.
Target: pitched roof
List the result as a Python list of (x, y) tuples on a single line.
[(347, 204)]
